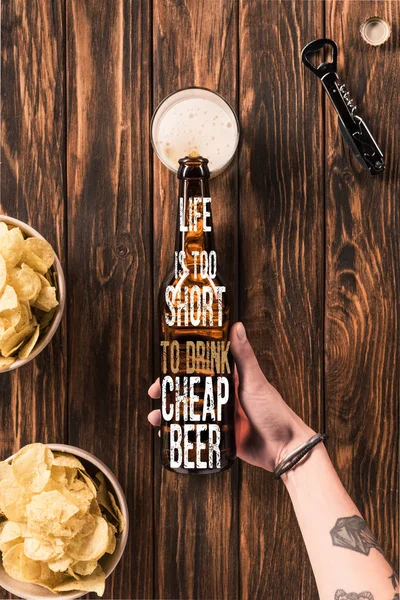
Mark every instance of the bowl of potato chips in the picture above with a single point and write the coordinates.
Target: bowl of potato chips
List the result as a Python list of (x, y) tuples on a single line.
[(63, 522), (32, 293)]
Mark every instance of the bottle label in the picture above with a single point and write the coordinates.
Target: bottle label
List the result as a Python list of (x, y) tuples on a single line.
[(197, 379)]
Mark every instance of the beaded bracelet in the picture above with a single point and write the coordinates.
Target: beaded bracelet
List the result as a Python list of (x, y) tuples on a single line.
[(298, 453)]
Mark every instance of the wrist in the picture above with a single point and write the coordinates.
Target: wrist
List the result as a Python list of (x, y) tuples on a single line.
[(310, 468), (297, 433)]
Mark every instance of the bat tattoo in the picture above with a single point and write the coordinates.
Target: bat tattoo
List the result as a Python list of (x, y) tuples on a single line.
[(342, 595), (353, 533)]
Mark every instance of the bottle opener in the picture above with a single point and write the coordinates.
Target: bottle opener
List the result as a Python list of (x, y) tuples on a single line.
[(353, 129)]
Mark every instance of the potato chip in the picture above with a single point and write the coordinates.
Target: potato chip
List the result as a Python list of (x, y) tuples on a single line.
[(3, 229), (5, 471), (33, 261), (25, 315), (12, 339), (112, 541), (31, 466), (6, 362), (62, 564), (44, 282), (8, 545), (3, 274), (58, 475), (12, 562), (89, 483), (120, 517), (84, 567), (13, 499), (8, 299), (26, 283), (10, 531), (102, 495), (41, 549), (92, 583), (11, 246), (12, 318), (50, 509), (47, 299), (93, 546), (42, 249), (54, 535), (30, 344), (24, 276), (62, 459)]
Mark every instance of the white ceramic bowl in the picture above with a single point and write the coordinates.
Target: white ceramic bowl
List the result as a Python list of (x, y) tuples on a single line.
[(44, 339), (108, 562)]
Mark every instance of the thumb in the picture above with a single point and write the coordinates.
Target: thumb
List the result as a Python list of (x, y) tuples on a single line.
[(250, 374)]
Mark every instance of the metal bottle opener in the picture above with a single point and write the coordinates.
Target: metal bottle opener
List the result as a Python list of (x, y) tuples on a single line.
[(353, 129)]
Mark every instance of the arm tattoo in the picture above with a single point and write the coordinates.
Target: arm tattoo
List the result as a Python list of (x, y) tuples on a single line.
[(341, 595), (353, 533)]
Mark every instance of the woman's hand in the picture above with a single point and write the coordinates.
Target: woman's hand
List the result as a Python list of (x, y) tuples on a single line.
[(266, 428)]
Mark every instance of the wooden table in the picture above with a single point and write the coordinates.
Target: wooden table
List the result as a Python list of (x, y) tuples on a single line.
[(310, 242)]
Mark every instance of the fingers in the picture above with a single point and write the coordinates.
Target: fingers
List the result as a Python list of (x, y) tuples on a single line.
[(250, 374), (155, 418), (155, 389)]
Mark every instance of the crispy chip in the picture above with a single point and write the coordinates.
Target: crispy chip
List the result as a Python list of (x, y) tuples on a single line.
[(44, 282), (41, 549), (62, 459), (112, 541), (62, 564), (26, 283), (49, 510), (84, 567), (33, 261), (47, 299), (55, 533), (10, 531), (89, 482), (12, 339), (120, 518), (3, 274), (8, 299), (26, 317), (13, 499), (11, 246), (92, 583), (6, 362), (93, 546), (12, 318), (3, 229), (30, 344), (42, 249), (31, 466)]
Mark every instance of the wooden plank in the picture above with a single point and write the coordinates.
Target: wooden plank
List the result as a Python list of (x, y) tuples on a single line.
[(281, 266), (33, 399), (362, 277), (110, 238), (197, 542)]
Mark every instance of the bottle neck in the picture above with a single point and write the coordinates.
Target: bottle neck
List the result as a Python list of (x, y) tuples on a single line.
[(194, 223)]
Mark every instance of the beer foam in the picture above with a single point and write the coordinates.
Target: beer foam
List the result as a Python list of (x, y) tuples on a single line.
[(203, 125)]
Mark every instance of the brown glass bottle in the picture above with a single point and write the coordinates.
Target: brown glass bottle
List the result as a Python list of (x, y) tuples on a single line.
[(198, 407)]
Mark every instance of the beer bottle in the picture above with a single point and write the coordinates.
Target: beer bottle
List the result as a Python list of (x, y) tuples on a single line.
[(197, 385)]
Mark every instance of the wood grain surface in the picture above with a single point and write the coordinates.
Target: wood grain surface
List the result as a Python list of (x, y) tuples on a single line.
[(281, 269), (309, 242), (362, 278)]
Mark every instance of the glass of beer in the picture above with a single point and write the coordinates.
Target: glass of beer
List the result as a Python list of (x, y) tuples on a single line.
[(195, 121)]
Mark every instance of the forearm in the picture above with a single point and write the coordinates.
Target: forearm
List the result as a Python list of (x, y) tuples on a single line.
[(345, 558)]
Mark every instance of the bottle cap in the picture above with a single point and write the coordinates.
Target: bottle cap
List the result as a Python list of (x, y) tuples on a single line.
[(375, 31)]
